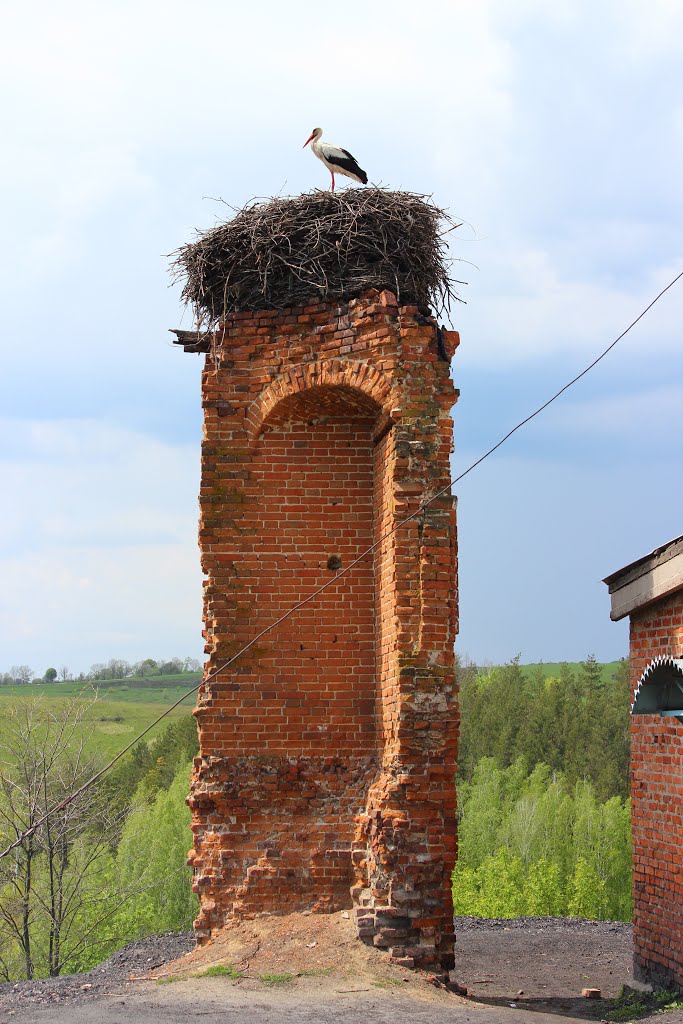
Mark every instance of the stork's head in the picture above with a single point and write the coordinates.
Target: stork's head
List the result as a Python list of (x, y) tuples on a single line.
[(315, 134)]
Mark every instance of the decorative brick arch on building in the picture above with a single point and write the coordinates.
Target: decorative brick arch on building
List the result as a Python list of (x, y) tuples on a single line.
[(326, 382), (325, 777)]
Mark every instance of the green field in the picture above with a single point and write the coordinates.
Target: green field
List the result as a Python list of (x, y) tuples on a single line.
[(119, 711), (551, 669)]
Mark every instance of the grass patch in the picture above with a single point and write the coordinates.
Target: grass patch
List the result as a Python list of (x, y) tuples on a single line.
[(315, 972), (276, 979), (220, 971), (631, 1004), (113, 728), (169, 980), (388, 983)]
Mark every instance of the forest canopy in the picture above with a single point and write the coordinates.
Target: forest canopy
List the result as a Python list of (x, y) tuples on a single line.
[(575, 721)]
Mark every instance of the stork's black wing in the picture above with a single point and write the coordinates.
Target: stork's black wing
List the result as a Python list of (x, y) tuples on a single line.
[(347, 162)]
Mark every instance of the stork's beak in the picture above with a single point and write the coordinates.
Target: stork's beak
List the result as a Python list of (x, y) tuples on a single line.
[(309, 139)]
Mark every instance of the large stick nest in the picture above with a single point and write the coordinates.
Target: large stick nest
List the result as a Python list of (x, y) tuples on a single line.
[(278, 253)]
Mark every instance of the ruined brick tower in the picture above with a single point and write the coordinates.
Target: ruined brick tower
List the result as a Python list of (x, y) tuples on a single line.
[(325, 777)]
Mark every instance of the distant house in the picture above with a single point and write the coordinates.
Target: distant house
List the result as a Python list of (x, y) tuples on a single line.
[(650, 591)]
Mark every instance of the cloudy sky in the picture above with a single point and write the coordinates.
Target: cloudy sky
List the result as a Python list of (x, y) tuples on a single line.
[(554, 131)]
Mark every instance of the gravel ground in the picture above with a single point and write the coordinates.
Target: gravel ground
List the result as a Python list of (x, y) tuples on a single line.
[(543, 963), (521, 971), (109, 977), (546, 924)]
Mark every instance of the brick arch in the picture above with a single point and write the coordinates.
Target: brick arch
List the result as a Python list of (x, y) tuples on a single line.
[(364, 387)]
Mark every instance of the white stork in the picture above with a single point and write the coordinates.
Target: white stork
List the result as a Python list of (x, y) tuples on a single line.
[(335, 159)]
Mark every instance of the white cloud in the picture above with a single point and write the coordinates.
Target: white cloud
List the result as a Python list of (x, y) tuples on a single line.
[(70, 188), (79, 440), (95, 177), (527, 310), (99, 551), (79, 605), (650, 32), (656, 412), (82, 479)]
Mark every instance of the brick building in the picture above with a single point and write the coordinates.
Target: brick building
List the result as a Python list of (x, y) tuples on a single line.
[(325, 777), (650, 591)]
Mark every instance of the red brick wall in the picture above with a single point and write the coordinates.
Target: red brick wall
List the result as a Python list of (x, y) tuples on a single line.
[(657, 807), (315, 679), (328, 752)]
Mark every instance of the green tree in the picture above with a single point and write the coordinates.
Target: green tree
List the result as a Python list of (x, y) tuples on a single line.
[(146, 667), (117, 668), (50, 675), (481, 813), (49, 882), (494, 889), (576, 722), (545, 841), (609, 768), (152, 856), (149, 768), (588, 893), (542, 890), (21, 674)]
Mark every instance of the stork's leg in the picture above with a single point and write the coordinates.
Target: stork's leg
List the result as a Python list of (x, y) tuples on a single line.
[(332, 173)]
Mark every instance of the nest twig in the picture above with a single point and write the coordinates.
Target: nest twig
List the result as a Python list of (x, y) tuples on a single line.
[(289, 252)]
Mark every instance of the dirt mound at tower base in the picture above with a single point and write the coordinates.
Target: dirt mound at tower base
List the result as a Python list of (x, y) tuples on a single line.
[(278, 950)]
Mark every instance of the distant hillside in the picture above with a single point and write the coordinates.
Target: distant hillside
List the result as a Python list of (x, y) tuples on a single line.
[(145, 688), (554, 668)]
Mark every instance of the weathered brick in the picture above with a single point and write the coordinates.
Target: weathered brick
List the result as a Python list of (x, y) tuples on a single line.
[(656, 790)]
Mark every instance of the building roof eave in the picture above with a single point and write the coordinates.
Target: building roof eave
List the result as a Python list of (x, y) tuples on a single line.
[(648, 579)]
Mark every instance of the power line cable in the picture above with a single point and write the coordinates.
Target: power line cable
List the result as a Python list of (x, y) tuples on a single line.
[(334, 579)]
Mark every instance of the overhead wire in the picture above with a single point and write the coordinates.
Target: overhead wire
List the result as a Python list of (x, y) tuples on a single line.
[(63, 804)]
